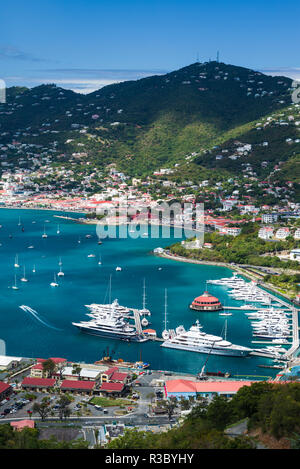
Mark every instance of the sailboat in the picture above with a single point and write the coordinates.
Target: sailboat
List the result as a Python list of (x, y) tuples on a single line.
[(165, 333), (24, 279), (15, 287), (144, 311), (60, 273), (79, 240), (60, 261), (44, 235), (58, 230), (99, 261), (16, 264), (33, 270), (19, 224), (54, 284)]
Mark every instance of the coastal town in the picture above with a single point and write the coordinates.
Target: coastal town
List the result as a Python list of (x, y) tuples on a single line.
[(149, 229)]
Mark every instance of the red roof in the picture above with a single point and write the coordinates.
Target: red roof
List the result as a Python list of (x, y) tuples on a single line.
[(72, 384), (4, 387), (110, 387), (38, 366), (39, 382), (54, 359), (206, 298), (58, 360), (110, 371), (181, 385), (116, 376), (23, 424)]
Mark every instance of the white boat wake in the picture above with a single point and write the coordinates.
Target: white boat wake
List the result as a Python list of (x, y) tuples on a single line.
[(35, 314)]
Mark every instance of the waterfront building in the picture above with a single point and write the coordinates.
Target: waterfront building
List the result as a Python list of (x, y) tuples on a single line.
[(7, 363), (112, 389), (206, 302), (38, 384), (75, 386), (184, 388), (5, 390)]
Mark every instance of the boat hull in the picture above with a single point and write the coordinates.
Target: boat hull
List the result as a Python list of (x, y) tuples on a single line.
[(112, 335), (211, 350)]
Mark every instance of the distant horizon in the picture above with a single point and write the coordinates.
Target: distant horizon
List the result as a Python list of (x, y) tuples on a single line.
[(87, 82)]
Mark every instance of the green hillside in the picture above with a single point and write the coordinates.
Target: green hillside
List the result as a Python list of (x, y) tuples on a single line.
[(150, 123)]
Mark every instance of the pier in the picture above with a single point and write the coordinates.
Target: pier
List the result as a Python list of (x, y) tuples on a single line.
[(254, 308)]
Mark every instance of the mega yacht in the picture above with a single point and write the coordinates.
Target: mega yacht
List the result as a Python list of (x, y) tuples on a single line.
[(195, 340), (110, 326)]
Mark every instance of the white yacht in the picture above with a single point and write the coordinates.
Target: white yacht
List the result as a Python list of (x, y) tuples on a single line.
[(195, 340), (112, 326), (118, 269)]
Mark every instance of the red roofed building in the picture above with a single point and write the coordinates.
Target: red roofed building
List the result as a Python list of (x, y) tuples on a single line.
[(22, 424), (38, 383), (78, 386), (181, 387), (112, 388), (105, 377), (5, 390), (206, 302), (118, 377)]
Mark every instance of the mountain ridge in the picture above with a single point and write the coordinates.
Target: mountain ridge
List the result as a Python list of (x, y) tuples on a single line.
[(145, 124)]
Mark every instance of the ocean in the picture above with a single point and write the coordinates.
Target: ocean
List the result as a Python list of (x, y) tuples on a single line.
[(47, 331)]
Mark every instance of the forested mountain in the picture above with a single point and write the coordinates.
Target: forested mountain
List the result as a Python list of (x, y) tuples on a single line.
[(184, 117)]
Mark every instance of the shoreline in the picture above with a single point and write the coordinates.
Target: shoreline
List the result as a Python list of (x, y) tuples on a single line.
[(238, 269)]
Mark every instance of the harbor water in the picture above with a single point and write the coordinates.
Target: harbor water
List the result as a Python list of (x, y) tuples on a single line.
[(45, 330)]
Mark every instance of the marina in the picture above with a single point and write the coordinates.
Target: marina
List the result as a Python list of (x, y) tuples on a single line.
[(84, 283)]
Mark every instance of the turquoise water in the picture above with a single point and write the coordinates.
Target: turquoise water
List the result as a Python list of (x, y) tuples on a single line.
[(51, 332)]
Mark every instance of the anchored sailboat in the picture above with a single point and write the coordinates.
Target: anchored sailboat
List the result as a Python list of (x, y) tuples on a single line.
[(24, 279), (54, 284)]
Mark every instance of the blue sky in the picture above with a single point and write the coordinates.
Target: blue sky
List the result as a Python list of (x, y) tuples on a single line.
[(84, 45)]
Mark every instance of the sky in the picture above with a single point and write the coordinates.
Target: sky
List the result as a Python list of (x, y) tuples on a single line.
[(86, 44)]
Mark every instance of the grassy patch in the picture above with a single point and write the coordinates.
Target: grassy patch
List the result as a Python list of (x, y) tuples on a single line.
[(107, 402)]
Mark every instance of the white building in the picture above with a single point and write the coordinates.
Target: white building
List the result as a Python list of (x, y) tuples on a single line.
[(295, 255), (282, 233), (269, 217), (266, 233), (230, 230), (297, 233)]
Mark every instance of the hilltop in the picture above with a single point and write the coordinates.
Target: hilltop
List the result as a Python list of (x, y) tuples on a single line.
[(182, 118)]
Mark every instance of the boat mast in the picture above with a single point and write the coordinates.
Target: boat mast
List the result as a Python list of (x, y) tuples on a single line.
[(109, 297), (144, 296), (165, 309)]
